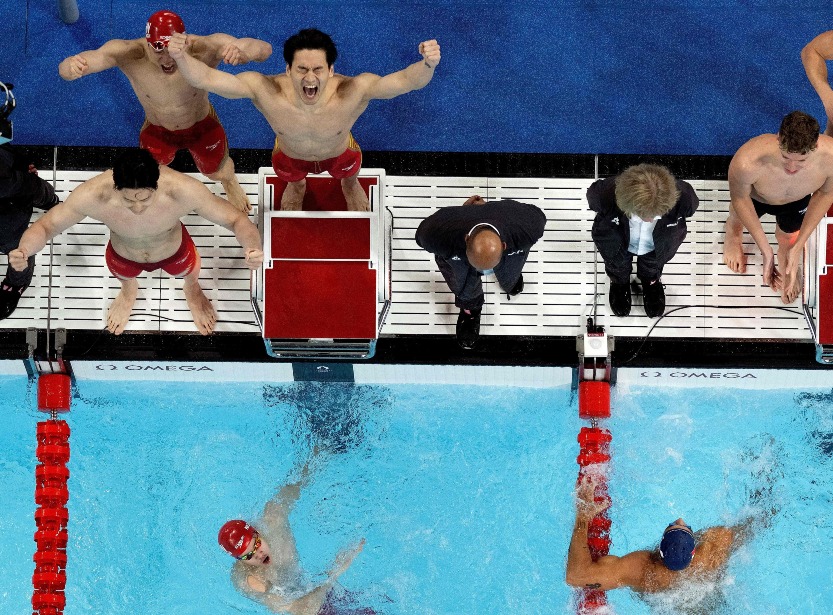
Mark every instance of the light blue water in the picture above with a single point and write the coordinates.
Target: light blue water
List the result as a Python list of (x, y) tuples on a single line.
[(464, 494)]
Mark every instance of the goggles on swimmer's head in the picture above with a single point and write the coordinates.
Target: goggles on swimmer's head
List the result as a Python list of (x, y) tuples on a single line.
[(247, 556), (158, 46), (9, 103)]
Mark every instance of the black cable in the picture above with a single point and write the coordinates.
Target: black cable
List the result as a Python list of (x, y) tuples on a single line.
[(719, 307)]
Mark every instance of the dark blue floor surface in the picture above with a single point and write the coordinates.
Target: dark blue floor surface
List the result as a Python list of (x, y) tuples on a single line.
[(612, 76)]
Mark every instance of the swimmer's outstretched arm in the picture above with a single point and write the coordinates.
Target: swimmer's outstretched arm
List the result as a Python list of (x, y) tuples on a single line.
[(311, 602), (233, 51), (414, 77), (111, 54), (582, 571), (816, 210), (199, 75), (219, 211), (743, 172), (52, 223), (814, 56)]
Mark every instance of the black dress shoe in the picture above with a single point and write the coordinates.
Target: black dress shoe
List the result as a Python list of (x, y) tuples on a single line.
[(518, 288), (9, 296), (620, 299), (468, 329), (653, 295)]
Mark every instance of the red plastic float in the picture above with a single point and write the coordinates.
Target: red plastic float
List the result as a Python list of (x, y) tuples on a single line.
[(51, 495), (594, 450)]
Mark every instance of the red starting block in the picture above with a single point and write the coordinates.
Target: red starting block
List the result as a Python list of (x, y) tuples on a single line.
[(322, 279)]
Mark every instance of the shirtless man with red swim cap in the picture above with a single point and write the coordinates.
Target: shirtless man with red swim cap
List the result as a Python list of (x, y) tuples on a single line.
[(310, 107), (177, 115), (267, 568), (142, 203)]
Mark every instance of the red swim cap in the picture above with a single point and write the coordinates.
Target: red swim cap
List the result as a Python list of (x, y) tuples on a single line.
[(235, 536), (160, 26)]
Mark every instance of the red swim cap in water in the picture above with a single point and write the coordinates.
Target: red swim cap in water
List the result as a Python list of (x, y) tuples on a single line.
[(235, 536), (160, 26)]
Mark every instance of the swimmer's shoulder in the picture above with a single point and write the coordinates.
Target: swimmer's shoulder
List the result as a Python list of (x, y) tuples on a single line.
[(127, 53), (245, 581), (354, 87), (825, 148), (93, 193), (753, 158), (179, 188)]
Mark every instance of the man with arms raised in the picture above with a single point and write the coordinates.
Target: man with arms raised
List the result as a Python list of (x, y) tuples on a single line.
[(310, 107), (682, 556), (177, 115), (142, 203), (788, 175)]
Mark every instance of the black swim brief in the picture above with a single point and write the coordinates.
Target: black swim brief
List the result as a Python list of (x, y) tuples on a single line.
[(788, 217)]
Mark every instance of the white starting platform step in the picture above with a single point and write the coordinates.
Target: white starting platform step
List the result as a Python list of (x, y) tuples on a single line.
[(704, 299)]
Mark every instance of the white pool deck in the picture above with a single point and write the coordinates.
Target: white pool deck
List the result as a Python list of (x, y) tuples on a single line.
[(559, 275)]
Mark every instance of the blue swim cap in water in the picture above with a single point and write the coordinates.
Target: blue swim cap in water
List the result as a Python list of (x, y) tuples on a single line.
[(677, 547)]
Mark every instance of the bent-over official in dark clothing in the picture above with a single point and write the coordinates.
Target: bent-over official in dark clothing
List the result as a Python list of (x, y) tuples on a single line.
[(20, 192), (443, 234), (611, 232)]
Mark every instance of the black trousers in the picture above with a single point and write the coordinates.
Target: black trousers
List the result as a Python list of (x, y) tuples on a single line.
[(647, 267)]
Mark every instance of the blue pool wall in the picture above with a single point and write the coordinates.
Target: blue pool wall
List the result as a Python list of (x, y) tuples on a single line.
[(570, 76)]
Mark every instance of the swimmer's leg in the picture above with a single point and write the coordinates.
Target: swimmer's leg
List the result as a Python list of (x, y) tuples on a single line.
[(791, 285), (293, 196), (235, 193), (205, 317), (733, 255), (354, 194), (119, 313)]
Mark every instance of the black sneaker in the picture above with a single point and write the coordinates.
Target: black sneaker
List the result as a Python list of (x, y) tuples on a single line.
[(468, 329), (9, 296), (518, 288), (653, 295), (620, 299)]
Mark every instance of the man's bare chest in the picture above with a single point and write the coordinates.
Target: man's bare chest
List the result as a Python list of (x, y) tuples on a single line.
[(776, 187)]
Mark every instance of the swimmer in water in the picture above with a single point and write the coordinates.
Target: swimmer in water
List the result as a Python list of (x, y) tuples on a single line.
[(310, 107), (267, 568), (683, 556), (788, 175), (177, 115)]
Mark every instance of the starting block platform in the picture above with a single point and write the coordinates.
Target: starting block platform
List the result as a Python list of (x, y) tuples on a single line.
[(323, 288)]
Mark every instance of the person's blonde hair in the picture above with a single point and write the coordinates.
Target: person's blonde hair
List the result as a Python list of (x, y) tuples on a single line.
[(646, 190)]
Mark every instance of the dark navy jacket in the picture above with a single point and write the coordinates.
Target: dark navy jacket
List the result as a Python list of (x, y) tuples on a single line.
[(443, 233), (611, 228), (20, 191)]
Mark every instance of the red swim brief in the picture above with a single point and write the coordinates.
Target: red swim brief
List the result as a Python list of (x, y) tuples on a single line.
[(179, 264), (348, 164), (206, 140)]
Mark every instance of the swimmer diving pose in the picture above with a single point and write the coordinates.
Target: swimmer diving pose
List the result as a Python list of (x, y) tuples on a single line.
[(267, 568), (788, 175), (142, 203), (682, 557), (310, 107), (177, 115)]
